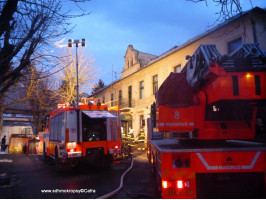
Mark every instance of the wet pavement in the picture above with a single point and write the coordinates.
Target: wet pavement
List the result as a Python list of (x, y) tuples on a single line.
[(139, 183), (28, 176)]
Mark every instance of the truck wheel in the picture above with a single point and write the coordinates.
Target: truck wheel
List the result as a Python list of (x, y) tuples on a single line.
[(45, 157), (107, 162), (149, 158), (153, 165), (104, 162), (58, 165), (158, 186), (158, 179)]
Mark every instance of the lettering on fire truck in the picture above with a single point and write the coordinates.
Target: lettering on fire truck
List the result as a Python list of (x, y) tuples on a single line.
[(229, 167)]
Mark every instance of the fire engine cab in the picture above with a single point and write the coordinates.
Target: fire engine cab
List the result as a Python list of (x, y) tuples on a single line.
[(90, 135), (202, 126)]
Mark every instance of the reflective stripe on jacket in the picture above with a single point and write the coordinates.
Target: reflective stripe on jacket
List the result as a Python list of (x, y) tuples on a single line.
[(124, 137), (130, 139), (141, 137)]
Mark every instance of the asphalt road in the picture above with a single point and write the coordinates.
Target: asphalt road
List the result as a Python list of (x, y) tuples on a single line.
[(30, 177), (139, 183)]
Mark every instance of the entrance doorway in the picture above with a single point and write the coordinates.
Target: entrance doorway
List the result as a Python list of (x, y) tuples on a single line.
[(126, 122)]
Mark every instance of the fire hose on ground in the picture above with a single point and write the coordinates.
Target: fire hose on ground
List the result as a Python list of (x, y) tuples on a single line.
[(121, 182)]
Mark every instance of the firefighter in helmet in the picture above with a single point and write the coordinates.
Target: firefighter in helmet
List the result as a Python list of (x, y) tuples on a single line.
[(131, 140), (141, 140)]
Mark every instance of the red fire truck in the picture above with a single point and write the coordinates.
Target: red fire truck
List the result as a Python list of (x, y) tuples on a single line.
[(97, 140), (202, 127)]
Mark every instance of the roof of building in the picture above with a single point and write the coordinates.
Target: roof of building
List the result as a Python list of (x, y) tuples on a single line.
[(192, 40), (145, 58), (15, 95)]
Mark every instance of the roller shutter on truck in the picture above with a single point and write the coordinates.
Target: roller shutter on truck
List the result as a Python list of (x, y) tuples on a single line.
[(72, 125), (57, 127)]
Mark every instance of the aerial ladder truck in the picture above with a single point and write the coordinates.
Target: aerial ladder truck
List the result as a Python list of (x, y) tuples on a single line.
[(202, 126)]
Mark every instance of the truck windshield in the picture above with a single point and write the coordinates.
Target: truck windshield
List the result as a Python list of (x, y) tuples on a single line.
[(93, 129)]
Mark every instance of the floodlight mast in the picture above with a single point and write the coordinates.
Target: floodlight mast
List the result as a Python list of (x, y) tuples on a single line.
[(83, 44)]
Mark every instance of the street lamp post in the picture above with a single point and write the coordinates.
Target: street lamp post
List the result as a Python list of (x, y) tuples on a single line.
[(70, 44)]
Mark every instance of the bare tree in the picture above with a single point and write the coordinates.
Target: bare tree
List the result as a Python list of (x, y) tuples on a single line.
[(42, 101), (67, 76), (27, 27), (228, 8)]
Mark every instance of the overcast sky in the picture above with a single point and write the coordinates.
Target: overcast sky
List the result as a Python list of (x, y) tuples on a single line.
[(151, 26)]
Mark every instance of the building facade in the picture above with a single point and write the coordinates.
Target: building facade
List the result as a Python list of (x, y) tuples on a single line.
[(17, 117), (143, 73)]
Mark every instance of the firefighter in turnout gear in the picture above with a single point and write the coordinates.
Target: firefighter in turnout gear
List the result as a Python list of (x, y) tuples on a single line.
[(131, 141), (124, 138), (124, 143), (141, 140)]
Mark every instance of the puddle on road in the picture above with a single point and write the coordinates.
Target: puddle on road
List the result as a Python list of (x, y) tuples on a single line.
[(6, 161), (7, 181)]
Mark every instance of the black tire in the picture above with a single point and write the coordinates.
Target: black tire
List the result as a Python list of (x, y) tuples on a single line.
[(45, 157), (153, 165), (104, 162), (58, 165), (149, 158), (158, 186), (158, 179), (108, 161)]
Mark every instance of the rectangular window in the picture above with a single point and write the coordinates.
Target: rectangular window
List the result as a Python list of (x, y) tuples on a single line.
[(55, 127), (233, 45), (129, 96), (59, 128), (155, 84), (112, 99), (235, 86), (141, 121), (51, 134), (63, 128), (120, 97), (257, 85), (177, 69), (141, 89)]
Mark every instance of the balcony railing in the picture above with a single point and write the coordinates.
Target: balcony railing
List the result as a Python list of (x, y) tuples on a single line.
[(126, 104)]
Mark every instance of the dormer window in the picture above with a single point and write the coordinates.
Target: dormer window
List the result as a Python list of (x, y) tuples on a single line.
[(129, 62), (135, 60)]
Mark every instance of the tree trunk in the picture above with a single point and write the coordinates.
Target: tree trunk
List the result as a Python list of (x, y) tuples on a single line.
[(1, 113)]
